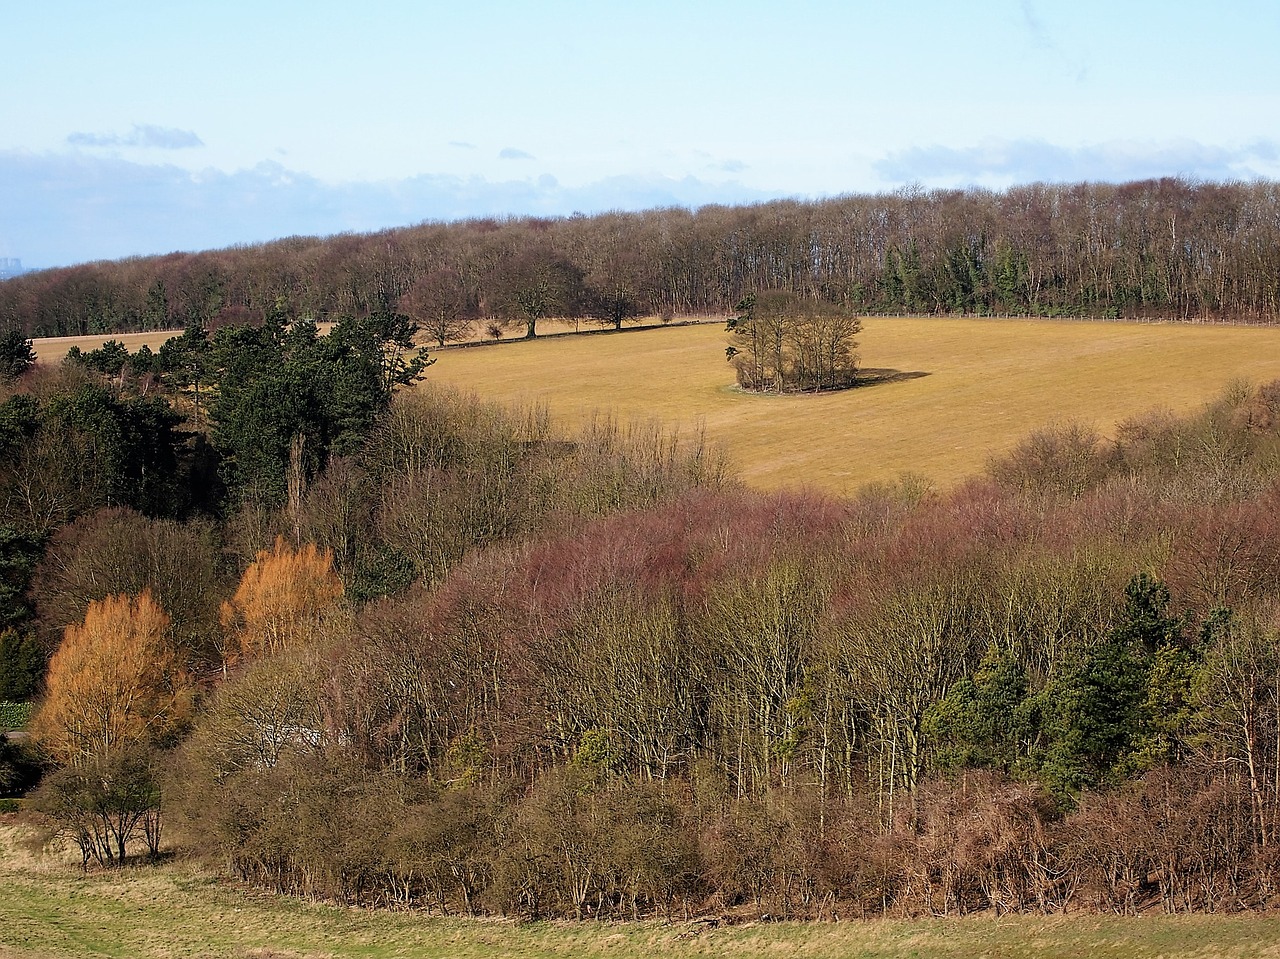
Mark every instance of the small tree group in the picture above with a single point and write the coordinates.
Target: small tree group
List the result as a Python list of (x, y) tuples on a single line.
[(283, 600), (783, 343), (115, 690)]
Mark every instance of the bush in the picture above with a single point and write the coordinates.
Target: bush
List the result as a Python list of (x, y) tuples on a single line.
[(14, 716), (19, 767)]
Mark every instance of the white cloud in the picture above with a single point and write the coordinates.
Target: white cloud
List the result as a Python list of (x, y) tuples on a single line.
[(1005, 162), (70, 208), (144, 135), (511, 153)]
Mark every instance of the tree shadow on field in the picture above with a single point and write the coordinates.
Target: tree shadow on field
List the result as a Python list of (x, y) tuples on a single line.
[(879, 377)]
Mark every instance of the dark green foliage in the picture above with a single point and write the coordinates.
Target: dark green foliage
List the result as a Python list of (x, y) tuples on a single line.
[(110, 359), (22, 665), (1090, 716), (19, 767), (1112, 708), (384, 573), (185, 360), (144, 362), (14, 715), (16, 354), (126, 448), (19, 553), (19, 420), (1145, 624), (85, 444), (984, 721), (275, 384)]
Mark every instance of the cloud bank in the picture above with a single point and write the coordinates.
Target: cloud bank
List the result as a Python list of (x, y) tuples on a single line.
[(63, 208), (58, 209), (1005, 162), (145, 136)]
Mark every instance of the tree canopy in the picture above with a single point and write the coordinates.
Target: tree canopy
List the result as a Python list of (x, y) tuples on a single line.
[(114, 684)]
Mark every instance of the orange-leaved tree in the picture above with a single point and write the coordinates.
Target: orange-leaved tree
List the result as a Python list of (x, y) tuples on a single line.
[(115, 683), (283, 601)]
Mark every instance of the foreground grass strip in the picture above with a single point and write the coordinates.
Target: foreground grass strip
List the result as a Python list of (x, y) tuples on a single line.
[(48, 910)]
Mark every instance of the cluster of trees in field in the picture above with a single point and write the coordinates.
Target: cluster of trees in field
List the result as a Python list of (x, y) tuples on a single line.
[(781, 342), (1166, 248), (414, 649)]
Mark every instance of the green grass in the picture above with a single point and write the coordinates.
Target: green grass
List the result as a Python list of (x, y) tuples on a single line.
[(986, 385), (14, 715), (49, 910)]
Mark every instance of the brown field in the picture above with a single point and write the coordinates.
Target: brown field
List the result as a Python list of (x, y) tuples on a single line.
[(50, 349), (972, 388), (53, 348), (985, 385)]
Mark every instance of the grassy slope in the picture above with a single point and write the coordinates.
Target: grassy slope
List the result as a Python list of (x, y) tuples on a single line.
[(48, 910), (989, 383), (54, 348)]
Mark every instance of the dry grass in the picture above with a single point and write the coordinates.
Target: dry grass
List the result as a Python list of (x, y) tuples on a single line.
[(988, 383), (49, 910), (51, 349)]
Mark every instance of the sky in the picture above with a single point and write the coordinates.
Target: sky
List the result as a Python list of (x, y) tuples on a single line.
[(134, 127)]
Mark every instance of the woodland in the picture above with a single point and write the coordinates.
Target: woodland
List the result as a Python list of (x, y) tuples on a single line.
[(1168, 248), (283, 606)]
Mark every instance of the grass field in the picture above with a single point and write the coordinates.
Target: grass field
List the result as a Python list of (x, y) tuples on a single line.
[(49, 910), (974, 388), (53, 348)]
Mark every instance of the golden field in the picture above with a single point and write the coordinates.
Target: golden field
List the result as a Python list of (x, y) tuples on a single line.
[(50, 349), (987, 384)]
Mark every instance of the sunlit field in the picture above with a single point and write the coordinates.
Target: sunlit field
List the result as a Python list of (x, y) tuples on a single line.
[(952, 391), (948, 393), (53, 348)]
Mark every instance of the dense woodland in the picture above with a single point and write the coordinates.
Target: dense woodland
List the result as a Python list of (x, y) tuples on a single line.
[(283, 605), (1166, 248)]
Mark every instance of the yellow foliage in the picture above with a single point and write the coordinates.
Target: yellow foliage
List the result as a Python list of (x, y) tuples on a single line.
[(283, 599), (114, 682)]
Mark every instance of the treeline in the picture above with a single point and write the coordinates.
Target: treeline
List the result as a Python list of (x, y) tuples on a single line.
[(139, 489), (413, 649), (1166, 248), (108, 485), (1052, 689)]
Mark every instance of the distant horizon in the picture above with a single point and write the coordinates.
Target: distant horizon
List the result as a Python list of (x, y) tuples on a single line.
[(153, 129), (556, 215)]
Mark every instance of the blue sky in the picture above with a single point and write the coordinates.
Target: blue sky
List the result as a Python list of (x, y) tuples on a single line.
[(145, 127)]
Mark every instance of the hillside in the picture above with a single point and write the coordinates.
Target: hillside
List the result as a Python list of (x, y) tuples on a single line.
[(1163, 249), (986, 385)]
